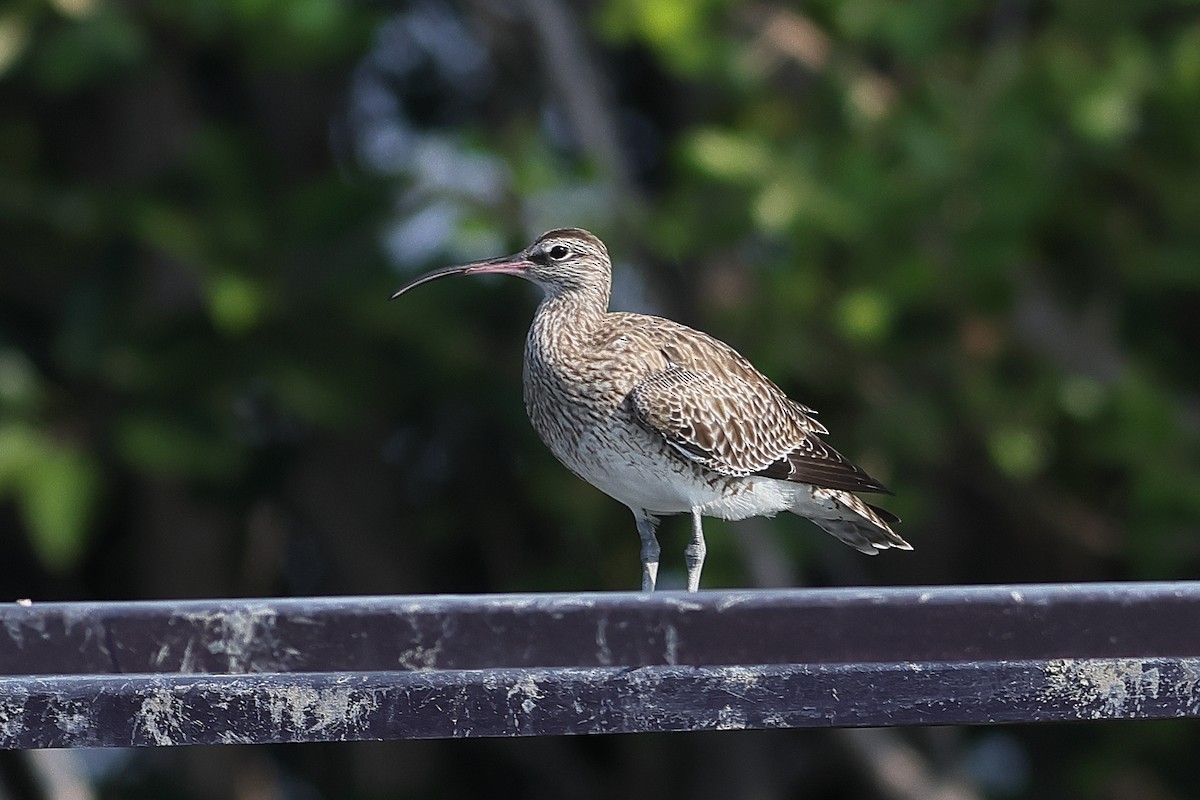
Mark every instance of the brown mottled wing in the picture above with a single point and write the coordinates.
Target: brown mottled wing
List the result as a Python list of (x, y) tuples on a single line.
[(738, 427)]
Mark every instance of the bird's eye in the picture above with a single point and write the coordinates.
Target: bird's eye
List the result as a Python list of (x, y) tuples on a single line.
[(558, 252)]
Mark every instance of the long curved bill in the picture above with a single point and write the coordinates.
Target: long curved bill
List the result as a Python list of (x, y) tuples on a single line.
[(515, 264)]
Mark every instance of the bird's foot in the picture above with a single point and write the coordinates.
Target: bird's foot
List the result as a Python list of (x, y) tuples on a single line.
[(693, 554), (649, 575)]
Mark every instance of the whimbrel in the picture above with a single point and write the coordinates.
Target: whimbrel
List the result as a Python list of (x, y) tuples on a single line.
[(666, 419)]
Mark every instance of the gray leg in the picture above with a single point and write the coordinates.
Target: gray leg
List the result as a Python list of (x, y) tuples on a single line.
[(693, 554), (646, 526)]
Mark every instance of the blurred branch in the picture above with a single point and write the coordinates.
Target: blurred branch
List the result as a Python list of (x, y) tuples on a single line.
[(585, 100), (581, 92), (60, 775), (897, 770)]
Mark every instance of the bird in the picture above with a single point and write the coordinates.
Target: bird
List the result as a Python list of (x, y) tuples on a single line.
[(667, 419)]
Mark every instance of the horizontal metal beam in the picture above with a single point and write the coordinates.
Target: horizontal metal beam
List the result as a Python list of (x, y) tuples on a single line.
[(797, 626), (90, 711), (114, 674)]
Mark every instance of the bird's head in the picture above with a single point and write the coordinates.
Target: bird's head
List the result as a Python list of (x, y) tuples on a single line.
[(560, 261)]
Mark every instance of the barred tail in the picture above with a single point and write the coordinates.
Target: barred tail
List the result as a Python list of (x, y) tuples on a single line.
[(864, 527)]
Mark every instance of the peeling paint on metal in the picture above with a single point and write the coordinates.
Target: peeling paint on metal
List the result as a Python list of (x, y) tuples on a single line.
[(528, 690), (743, 677), (730, 719), (71, 717), (732, 600), (1102, 688), (246, 637), (17, 627), (240, 631), (311, 710), (683, 604), (419, 658), (187, 664), (161, 717), (604, 652), (1191, 681), (12, 711), (575, 602), (671, 645)]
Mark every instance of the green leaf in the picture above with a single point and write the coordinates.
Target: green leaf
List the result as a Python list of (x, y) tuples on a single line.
[(728, 155), (1019, 452), (865, 315), (157, 443), (59, 498), (235, 302), (56, 487)]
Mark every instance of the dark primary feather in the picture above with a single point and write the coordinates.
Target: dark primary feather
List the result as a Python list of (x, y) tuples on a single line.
[(819, 464)]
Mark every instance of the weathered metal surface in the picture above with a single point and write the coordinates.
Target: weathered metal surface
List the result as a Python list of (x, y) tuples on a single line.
[(946, 623), (305, 707), (157, 673)]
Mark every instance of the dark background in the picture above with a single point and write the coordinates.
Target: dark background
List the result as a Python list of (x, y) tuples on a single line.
[(969, 235)]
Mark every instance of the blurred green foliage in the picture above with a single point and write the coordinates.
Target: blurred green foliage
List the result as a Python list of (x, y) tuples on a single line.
[(968, 234)]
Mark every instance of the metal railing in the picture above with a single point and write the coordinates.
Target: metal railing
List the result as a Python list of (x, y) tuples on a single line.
[(355, 668)]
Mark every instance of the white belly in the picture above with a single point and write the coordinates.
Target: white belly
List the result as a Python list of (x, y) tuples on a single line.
[(635, 467)]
